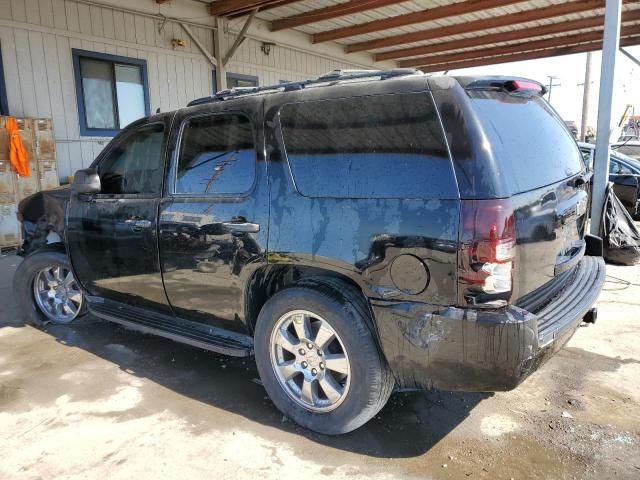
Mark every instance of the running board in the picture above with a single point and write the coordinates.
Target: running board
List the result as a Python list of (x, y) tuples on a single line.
[(183, 331)]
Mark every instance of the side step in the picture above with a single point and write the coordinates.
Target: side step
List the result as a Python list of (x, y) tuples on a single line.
[(183, 331)]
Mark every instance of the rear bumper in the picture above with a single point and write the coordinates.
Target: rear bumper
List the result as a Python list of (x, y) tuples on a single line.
[(452, 348)]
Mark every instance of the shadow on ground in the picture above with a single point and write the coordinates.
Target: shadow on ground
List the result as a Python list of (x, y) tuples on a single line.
[(410, 424)]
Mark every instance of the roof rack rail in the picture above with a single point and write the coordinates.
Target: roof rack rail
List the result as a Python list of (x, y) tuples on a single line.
[(329, 77)]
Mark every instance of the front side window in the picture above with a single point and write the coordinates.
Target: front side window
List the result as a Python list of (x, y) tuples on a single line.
[(217, 156), (587, 156), (135, 164), (111, 92), (614, 167), (383, 146)]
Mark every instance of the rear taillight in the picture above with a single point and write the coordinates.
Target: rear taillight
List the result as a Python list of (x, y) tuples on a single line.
[(486, 252)]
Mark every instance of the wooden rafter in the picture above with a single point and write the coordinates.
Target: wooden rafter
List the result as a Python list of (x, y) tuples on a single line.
[(225, 8), (478, 25), (266, 6), (495, 38), (427, 15), (516, 48), (552, 52), (327, 13)]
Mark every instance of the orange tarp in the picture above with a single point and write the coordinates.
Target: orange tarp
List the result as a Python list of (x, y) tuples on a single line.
[(18, 155)]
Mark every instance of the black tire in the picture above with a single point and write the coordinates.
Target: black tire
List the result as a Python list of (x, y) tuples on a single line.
[(23, 284), (346, 311)]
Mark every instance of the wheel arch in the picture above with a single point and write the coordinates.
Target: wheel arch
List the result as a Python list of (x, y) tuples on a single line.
[(49, 247), (271, 279)]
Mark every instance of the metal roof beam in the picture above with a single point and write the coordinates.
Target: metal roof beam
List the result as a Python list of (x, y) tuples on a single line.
[(556, 10), (602, 154), (534, 55), (495, 38), (327, 13), (434, 13), (565, 40)]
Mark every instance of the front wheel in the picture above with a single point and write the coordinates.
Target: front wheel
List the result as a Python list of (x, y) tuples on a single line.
[(318, 359), (47, 290)]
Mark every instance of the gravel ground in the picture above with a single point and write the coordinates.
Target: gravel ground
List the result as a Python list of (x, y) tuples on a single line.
[(93, 400)]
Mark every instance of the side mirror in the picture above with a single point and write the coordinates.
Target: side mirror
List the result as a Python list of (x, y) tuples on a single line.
[(86, 181)]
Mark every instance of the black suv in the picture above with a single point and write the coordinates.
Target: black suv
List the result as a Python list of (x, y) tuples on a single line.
[(357, 233)]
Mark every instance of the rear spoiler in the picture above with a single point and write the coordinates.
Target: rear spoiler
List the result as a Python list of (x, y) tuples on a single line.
[(511, 85)]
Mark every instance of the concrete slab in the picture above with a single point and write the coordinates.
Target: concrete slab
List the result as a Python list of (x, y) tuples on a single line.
[(93, 400)]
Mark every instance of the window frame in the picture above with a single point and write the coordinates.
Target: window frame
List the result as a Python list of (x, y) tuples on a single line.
[(175, 162), (129, 130), (4, 102), (78, 54)]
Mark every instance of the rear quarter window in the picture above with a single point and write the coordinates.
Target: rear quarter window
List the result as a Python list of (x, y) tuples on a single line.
[(531, 143), (382, 146)]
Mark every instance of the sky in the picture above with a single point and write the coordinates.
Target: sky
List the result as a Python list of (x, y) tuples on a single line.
[(567, 97)]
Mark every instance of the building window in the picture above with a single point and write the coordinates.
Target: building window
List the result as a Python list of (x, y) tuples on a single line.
[(235, 80), (112, 92), (4, 105)]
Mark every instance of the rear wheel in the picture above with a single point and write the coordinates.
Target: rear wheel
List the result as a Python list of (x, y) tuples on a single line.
[(47, 290), (318, 359)]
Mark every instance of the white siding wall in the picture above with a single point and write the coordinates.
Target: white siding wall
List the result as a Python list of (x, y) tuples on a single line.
[(37, 36)]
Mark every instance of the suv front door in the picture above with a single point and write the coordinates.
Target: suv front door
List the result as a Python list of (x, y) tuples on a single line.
[(112, 236)]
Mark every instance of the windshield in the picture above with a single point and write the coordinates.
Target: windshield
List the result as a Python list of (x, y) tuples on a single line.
[(531, 143)]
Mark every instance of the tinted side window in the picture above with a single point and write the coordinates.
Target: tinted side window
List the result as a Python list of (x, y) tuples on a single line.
[(384, 146), (135, 164), (217, 156)]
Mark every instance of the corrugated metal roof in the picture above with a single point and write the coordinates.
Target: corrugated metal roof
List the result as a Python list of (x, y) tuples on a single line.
[(384, 37)]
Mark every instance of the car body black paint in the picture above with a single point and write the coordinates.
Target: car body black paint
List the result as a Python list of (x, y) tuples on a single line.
[(194, 266)]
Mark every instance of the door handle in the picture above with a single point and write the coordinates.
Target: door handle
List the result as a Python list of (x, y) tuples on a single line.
[(242, 227), (137, 225)]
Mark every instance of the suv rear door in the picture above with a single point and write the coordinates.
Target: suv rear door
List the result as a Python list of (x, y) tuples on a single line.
[(112, 236), (214, 217)]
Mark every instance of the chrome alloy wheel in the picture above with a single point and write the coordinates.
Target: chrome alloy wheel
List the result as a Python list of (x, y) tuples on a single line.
[(57, 294), (310, 361)]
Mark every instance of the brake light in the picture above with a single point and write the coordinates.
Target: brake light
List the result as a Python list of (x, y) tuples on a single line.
[(486, 252), (523, 86)]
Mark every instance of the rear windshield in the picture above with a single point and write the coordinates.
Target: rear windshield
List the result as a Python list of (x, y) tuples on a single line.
[(530, 142)]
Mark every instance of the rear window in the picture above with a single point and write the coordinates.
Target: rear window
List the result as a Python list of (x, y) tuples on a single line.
[(383, 146), (531, 143)]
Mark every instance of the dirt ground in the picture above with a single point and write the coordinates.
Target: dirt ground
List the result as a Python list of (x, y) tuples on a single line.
[(94, 400)]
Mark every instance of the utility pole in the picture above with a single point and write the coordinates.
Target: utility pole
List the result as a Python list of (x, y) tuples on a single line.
[(551, 85), (585, 98)]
